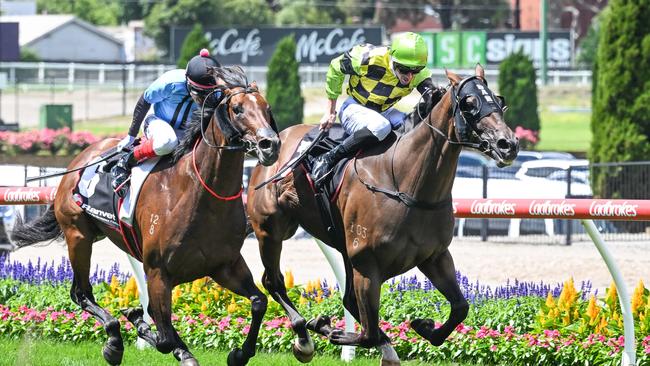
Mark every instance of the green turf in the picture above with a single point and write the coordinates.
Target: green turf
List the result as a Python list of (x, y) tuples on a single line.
[(30, 352)]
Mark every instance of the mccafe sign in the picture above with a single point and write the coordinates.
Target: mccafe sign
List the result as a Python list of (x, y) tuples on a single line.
[(255, 46)]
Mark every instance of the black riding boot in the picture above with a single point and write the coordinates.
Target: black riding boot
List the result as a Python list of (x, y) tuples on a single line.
[(121, 172), (324, 163)]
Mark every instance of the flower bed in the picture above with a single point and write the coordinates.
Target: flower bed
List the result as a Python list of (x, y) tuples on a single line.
[(519, 323), (45, 142)]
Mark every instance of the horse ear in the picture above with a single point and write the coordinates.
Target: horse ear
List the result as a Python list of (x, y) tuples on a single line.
[(254, 85), (479, 71), (453, 77)]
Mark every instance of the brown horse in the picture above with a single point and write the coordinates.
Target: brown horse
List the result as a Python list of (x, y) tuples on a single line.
[(384, 233), (188, 230)]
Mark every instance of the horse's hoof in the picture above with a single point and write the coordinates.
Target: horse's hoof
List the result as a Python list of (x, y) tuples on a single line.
[(427, 330), (113, 353), (236, 358), (189, 362), (303, 352), (316, 324)]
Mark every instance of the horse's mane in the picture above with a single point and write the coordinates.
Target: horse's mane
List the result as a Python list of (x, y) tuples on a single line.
[(421, 110), (226, 76)]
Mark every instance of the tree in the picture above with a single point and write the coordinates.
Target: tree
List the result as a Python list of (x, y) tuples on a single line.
[(517, 84), (481, 14), (620, 121), (283, 84), (171, 13), (192, 44), (308, 12), (97, 12), (389, 11)]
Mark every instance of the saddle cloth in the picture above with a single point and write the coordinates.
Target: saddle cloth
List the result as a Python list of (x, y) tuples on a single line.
[(94, 194), (335, 135)]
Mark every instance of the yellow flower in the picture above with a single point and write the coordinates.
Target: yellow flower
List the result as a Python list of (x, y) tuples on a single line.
[(176, 294), (131, 287), (232, 307), (568, 295), (204, 307), (637, 298), (115, 284), (592, 310), (550, 302), (288, 279)]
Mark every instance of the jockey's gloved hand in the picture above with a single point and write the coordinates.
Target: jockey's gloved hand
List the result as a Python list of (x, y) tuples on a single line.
[(127, 141)]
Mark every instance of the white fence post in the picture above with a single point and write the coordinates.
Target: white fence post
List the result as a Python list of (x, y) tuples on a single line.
[(629, 353), (138, 273), (332, 256)]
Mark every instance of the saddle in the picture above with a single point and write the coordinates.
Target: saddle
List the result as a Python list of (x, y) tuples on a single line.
[(94, 194)]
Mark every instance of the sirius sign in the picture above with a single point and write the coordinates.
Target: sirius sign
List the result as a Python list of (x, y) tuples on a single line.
[(255, 46)]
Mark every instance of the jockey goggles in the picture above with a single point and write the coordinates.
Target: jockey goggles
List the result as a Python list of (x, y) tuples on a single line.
[(402, 69)]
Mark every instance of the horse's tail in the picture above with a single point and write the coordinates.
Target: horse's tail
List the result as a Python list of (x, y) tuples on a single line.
[(43, 228)]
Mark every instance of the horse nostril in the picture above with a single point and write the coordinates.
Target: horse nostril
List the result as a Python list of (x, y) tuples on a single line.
[(503, 144), (265, 144)]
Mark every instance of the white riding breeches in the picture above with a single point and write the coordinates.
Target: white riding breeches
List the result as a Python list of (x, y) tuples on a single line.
[(164, 138), (354, 116)]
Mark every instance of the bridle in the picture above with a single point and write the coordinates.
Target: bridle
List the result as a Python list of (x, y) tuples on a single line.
[(465, 122), (233, 135), (462, 119)]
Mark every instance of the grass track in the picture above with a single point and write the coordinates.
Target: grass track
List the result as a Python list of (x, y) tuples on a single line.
[(31, 352)]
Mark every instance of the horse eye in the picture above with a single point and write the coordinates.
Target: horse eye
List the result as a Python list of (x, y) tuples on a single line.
[(238, 109), (469, 105)]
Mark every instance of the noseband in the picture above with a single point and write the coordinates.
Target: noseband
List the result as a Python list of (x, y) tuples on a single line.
[(233, 136), (465, 122)]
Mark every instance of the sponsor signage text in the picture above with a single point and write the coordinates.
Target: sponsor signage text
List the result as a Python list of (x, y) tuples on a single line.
[(254, 46)]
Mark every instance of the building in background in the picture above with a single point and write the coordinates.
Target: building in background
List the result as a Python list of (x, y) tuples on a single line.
[(18, 7), (66, 38), (137, 46)]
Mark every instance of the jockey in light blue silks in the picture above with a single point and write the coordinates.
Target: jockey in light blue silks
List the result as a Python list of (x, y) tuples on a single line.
[(174, 95)]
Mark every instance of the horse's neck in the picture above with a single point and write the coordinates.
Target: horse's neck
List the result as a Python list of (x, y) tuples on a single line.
[(425, 160), (220, 170)]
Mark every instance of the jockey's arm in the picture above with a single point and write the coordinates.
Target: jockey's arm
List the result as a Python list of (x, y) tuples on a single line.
[(348, 63), (140, 111)]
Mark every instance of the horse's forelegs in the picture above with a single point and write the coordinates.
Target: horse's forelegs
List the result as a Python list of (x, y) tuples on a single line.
[(366, 290), (273, 281), (238, 279), (442, 273), (79, 251), (167, 339)]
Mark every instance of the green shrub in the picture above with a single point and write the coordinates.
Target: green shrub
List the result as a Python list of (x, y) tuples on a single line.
[(192, 44), (621, 100), (517, 85), (283, 84)]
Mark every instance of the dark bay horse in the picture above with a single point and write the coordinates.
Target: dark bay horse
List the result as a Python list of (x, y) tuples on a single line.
[(394, 210), (190, 218)]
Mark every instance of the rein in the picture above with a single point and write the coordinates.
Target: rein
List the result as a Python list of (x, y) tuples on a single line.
[(227, 128), (403, 197), (213, 193), (483, 146)]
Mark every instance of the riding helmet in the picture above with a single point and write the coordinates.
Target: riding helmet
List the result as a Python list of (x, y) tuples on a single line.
[(409, 49), (197, 70)]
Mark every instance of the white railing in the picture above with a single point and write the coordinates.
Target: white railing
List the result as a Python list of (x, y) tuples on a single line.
[(139, 76)]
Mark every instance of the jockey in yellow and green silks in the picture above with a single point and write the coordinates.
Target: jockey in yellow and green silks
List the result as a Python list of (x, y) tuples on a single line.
[(378, 78)]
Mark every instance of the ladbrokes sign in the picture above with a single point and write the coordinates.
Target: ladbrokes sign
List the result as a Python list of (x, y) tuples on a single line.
[(255, 46)]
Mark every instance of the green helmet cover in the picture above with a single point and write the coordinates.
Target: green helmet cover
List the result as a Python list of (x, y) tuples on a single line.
[(409, 49)]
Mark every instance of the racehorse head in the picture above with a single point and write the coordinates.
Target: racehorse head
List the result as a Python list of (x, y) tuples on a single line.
[(478, 118), (244, 117)]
